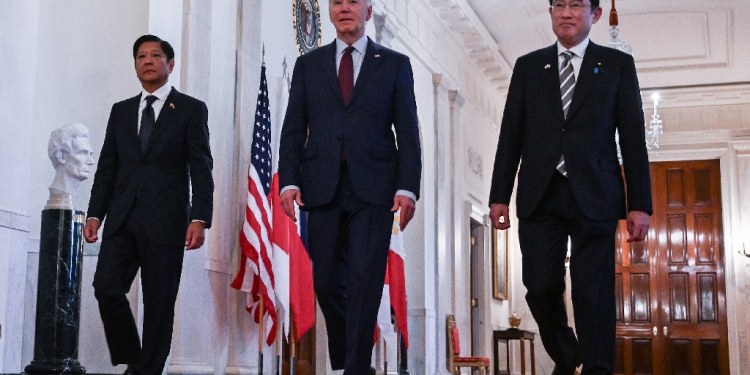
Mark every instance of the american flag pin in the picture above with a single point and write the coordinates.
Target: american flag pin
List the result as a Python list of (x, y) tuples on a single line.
[(171, 105), (377, 55), (546, 66)]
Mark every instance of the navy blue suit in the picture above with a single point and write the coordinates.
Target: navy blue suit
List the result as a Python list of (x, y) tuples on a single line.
[(349, 200), (145, 198), (586, 205)]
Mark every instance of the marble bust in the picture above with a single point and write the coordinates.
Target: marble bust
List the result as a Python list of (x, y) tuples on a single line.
[(70, 151)]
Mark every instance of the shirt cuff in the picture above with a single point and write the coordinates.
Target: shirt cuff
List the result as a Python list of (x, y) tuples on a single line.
[(288, 187), (95, 218), (407, 193)]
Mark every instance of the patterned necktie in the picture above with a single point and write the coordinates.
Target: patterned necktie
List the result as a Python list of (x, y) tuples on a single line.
[(147, 122), (567, 86), (346, 75)]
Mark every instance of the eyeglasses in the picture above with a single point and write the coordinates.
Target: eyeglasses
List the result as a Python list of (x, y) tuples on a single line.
[(574, 8)]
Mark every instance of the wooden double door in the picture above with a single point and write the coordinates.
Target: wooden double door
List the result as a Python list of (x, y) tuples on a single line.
[(671, 293)]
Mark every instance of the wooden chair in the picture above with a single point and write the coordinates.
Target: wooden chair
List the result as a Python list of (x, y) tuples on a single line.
[(455, 361)]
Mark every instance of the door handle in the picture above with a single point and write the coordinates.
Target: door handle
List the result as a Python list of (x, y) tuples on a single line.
[(665, 330), (656, 331)]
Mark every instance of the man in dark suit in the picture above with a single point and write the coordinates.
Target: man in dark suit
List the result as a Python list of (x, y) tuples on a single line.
[(564, 104), (155, 153), (339, 155)]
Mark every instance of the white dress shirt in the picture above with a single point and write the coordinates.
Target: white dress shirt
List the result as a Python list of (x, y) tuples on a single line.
[(161, 95), (577, 60)]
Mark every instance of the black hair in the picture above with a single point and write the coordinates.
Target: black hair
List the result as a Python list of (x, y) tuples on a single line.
[(594, 4), (165, 46)]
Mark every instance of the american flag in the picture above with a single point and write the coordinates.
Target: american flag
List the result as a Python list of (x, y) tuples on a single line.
[(256, 269)]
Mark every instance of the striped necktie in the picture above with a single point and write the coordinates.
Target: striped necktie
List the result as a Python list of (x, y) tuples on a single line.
[(567, 86), (147, 122)]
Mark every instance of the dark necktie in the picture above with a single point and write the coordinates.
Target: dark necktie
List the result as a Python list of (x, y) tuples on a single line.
[(346, 75), (147, 122), (567, 86)]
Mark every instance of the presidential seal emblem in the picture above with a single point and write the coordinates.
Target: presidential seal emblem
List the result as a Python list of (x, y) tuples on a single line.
[(306, 18)]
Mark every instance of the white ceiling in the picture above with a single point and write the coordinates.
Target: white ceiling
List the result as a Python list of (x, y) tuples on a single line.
[(675, 43)]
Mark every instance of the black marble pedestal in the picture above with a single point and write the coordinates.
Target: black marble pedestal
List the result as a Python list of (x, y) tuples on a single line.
[(58, 300)]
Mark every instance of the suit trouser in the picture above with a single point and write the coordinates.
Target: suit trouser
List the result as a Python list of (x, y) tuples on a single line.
[(544, 241), (348, 242), (121, 255)]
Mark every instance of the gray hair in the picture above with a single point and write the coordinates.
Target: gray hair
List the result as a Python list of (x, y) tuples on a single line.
[(60, 140), (369, 2)]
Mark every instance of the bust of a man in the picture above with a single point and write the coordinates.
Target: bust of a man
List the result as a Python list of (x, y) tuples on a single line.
[(70, 151)]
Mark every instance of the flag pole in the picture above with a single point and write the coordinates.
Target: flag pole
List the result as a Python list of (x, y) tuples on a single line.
[(385, 355), (278, 350), (292, 345), (260, 336), (398, 350)]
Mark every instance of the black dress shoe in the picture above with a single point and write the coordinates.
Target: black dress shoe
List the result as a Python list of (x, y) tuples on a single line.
[(132, 371), (372, 370)]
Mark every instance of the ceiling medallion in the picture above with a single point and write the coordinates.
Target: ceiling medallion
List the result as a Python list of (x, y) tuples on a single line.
[(306, 19)]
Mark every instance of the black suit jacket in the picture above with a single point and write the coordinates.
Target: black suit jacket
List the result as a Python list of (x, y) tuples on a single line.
[(318, 124), (177, 158), (535, 132)]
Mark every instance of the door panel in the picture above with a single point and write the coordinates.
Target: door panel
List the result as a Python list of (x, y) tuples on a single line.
[(678, 275)]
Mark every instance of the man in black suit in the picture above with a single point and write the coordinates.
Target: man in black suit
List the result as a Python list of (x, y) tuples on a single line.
[(155, 153), (339, 155), (564, 104)]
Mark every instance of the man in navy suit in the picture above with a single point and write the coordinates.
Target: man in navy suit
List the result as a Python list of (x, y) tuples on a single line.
[(339, 155), (564, 104), (155, 154)]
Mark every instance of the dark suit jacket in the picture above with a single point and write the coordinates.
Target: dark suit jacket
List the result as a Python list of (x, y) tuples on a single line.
[(535, 132), (318, 124), (177, 158)]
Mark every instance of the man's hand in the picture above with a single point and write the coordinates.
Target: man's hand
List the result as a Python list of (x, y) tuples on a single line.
[(407, 207), (499, 211), (287, 203), (91, 229), (196, 234), (637, 225)]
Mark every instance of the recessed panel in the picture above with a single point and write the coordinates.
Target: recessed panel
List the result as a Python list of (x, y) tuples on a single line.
[(678, 285), (618, 297), (702, 187), (639, 252), (707, 285), (640, 297), (704, 238), (680, 353), (677, 239), (709, 357), (675, 187), (643, 362), (619, 356)]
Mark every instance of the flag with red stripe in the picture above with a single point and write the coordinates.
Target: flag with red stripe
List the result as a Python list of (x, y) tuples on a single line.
[(256, 273)]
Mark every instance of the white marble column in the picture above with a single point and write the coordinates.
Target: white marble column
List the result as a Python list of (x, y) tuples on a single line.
[(18, 35)]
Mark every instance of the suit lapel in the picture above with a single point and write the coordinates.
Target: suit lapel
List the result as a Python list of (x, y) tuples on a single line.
[(166, 116), (131, 125), (551, 70), (370, 63), (587, 77), (327, 64)]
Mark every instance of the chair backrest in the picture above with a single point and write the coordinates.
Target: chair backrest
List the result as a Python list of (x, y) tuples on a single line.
[(454, 345)]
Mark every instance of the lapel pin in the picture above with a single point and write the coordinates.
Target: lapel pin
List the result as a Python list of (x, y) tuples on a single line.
[(377, 55), (547, 66), (171, 105)]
